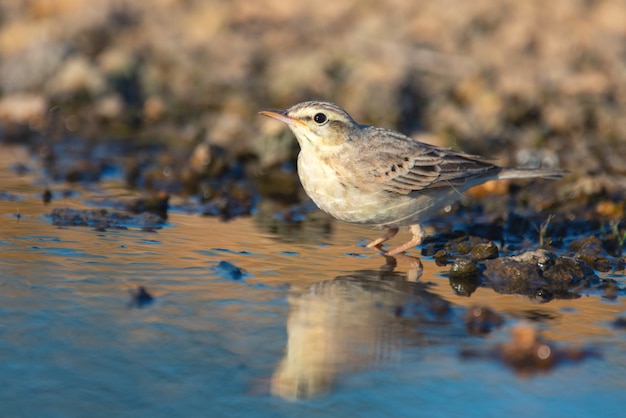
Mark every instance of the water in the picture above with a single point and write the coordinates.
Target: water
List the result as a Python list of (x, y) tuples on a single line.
[(321, 320)]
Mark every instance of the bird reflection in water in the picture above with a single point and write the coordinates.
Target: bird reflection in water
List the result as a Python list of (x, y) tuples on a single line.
[(351, 323)]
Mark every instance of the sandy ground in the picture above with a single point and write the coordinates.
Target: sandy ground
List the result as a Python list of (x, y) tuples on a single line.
[(529, 83)]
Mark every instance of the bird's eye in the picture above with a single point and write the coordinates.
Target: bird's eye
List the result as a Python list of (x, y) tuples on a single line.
[(319, 118)]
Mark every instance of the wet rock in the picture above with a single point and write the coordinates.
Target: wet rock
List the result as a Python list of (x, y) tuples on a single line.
[(46, 196), (441, 257), (464, 245), (104, 219), (451, 245), (464, 276), (567, 273), (620, 323), (140, 298), (464, 267), (464, 285), (229, 271), (542, 258), (539, 274), (157, 204), (437, 242), (157, 169), (506, 275), (614, 244), (480, 320), (484, 251), (591, 251), (237, 200)]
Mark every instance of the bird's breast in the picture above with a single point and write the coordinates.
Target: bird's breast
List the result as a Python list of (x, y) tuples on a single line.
[(323, 182), (337, 191)]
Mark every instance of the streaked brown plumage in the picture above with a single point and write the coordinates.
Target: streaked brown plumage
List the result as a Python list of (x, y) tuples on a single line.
[(378, 177)]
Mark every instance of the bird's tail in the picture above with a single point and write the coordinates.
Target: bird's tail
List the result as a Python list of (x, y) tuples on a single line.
[(525, 173)]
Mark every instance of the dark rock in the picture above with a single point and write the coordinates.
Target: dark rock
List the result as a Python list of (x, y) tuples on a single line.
[(542, 258), (46, 196), (611, 289), (465, 285), (229, 271), (464, 276), (484, 251), (506, 275), (591, 251), (441, 257), (463, 245), (156, 204), (539, 274), (140, 298), (463, 267), (82, 171), (620, 323), (567, 273), (459, 244), (103, 219), (231, 202)]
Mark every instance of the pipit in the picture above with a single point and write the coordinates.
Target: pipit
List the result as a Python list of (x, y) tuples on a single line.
[(381, 178)]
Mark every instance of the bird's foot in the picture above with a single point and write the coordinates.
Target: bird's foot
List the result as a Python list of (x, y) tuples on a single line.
[(418, 237), (391, 232)]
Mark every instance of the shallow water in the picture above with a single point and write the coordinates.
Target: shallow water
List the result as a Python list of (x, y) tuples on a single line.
[(322, 320)]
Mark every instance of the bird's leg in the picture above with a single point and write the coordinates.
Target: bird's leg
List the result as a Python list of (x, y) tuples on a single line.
[(418, 237), (391, 232)]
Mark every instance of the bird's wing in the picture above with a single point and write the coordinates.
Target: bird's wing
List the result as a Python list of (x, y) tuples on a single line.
[(404, 165)]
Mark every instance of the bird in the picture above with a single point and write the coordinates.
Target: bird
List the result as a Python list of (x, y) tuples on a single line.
[(380, 178)]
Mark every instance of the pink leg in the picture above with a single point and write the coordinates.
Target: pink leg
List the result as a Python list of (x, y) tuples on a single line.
[(418, 237), (391, 232)]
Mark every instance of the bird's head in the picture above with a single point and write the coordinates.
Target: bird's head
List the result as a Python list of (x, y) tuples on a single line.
[(318, 124)]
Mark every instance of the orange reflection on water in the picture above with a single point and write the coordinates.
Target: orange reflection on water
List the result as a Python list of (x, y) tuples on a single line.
[(345, 305)]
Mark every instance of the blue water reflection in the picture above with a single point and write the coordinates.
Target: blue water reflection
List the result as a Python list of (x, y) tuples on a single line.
[(307, 335)]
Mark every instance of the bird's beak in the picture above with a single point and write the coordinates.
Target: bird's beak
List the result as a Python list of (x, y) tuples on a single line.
[(281, 115)]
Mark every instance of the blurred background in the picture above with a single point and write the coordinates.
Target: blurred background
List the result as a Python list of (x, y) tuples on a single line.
[(152, 106), (529, 83)]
